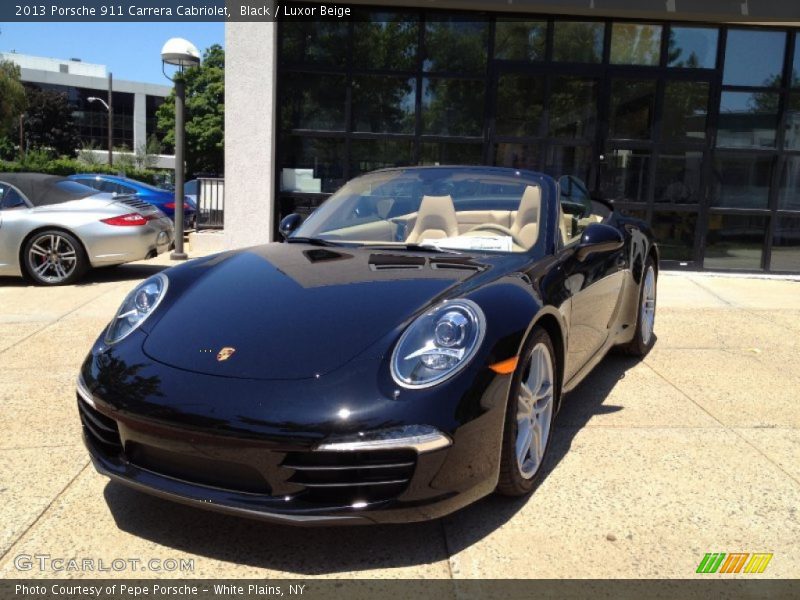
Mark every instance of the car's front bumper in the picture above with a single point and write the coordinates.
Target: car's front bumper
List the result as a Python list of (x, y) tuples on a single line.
[(283, 473)]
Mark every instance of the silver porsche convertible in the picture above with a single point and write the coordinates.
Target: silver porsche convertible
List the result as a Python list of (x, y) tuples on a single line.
[(53, 230)]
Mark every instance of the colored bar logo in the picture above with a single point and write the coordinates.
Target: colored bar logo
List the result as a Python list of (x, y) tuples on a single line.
[(736, 562)]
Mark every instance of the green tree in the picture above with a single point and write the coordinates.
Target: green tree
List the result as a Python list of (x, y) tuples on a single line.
[(12, 104), (48, 122), (205, 114)]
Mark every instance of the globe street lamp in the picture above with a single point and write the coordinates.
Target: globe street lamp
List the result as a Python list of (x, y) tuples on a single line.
[(180, 53)]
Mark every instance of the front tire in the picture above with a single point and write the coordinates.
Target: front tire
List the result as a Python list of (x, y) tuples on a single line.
[(644, 337), (54, 257), (529, 416)]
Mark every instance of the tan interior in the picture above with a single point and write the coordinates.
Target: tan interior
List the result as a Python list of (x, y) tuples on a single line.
[(436, 219), (526, 222)]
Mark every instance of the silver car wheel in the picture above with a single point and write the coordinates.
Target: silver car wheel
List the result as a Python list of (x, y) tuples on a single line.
[(52, 258), (534, 411), (648, 307)]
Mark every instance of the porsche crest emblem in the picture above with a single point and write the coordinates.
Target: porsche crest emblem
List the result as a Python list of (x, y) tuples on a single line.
[(225, 353)]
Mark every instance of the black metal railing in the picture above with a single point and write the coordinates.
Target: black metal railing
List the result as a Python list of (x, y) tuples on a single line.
[(210, 203)]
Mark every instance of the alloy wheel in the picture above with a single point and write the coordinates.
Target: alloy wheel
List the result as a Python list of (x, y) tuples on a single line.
[(648, 307), (52, 258), (534, 411)]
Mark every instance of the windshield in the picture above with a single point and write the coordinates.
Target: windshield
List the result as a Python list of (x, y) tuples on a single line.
[(453, 208)]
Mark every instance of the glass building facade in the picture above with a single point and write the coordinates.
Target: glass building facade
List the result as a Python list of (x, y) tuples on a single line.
[(692, 127), (91, 118)]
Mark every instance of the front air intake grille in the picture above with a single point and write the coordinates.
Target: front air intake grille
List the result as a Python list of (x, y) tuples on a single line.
[(102, 430), (346, 478)]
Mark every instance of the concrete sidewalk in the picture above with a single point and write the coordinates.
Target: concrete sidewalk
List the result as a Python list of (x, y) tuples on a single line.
[(653, 464)]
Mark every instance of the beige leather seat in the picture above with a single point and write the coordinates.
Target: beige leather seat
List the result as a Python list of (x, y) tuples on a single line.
[(436, 219), (526, 222)]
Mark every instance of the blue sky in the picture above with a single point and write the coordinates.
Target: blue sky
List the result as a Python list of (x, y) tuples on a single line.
[(129, 50)]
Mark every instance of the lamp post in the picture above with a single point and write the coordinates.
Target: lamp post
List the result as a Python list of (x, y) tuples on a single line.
[(180, 53), (110, 110), (110, 127)]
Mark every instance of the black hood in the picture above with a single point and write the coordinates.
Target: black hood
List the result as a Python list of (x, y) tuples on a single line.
[(294, 311)]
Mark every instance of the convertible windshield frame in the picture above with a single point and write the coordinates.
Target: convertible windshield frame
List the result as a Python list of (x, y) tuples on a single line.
[(381, 209)]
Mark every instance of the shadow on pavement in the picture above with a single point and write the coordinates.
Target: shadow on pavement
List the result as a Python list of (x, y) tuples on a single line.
[(584, 402), (317, 551)]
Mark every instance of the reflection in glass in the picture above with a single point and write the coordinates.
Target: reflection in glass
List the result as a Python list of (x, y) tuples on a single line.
[(786, 245), (629, 211), (519, 105), (741, 181), (796, 62), (312, 101), (447, 153), (314, 42), (685, 110), (692, 47), (518, 156), (385, 40), (578, 41), (515, 39), (311, 164), (383, 104), (626, 175), (748, 119), (369, 155), (734, 242), (635, 44), (789, 193), (792, 135), (452, 106), (632, 105), (678, 178), (754, 57), (455, 45), (569, 160), (573, 107), (674, 233)]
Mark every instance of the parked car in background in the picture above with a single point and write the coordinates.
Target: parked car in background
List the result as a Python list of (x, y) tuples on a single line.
[(162, 199), (403, 354), (191, 189), (53, 229)]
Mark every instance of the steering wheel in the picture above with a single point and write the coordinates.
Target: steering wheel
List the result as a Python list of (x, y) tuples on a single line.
[(496, 228)]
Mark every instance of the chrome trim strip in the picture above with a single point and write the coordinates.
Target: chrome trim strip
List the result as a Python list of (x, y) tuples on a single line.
[(84, 392), (422, 443)]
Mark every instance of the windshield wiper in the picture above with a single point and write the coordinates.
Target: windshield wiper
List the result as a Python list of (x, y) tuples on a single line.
[(313, 241)]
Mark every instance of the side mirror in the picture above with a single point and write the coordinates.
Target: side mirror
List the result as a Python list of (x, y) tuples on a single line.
[(289, 223), (599, 237)]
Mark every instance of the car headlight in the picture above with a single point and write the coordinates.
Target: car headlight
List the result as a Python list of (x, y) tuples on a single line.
[(137, 306), (438, 344)]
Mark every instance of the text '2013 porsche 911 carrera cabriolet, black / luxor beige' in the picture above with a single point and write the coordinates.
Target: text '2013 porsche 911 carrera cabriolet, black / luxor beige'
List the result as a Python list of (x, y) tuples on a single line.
[(402, 354)]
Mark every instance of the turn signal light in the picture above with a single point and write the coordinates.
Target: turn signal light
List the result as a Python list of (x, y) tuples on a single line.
[(130, 220)]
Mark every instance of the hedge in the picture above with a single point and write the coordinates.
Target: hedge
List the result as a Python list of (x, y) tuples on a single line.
[(70, 166)]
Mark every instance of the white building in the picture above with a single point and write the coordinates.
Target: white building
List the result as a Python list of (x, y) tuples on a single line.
[(134, 103)]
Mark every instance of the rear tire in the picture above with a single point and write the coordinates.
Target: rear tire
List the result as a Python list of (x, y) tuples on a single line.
[(644, 337), (54, 257), (529, 416)]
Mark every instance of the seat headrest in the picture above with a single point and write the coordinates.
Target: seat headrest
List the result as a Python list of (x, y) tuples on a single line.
[(436, 218)]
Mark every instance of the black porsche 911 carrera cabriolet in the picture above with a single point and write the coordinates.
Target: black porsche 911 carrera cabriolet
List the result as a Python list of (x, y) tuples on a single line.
[(402, 354)]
